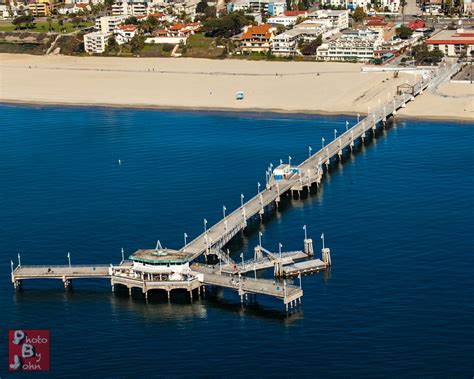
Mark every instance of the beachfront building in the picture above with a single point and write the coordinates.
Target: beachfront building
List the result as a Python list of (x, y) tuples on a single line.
[(96, 42), (357, 45), (256, 39), (108, 24), (248, 6), (130, 7), (124, 33), (175, 34), (338, 20), (453, 43), (285, 44)]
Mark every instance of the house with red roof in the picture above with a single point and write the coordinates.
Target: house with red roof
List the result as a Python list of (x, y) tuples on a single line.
[(124, 33), (416, 24), (257, 39)]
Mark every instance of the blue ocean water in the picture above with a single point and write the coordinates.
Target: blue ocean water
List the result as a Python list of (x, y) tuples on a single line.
[(397, 215)]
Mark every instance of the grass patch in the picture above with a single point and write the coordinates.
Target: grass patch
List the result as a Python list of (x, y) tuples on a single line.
[(200, 46), (154, 50), (44, 26)]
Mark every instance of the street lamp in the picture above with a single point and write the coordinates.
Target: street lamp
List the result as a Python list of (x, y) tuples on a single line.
[(260, 234), (322, 141), (19, 259), (205, 226), (223, 210), (305, 233), (309, 150), (322, 237), (69, 258), (185, 240), (335, 133), (279, 249), (289, 161), (258, 187), (123, 255), (347, 125), (241, 199)]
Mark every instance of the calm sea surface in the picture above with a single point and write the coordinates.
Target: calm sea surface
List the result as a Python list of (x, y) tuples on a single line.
[(397, 215)]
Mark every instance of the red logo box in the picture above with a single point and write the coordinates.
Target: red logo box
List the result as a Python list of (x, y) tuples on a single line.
[(28, 350)]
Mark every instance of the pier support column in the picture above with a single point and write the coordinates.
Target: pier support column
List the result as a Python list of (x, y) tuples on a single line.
[(203, 291), (67, 283), (326, 256), (308, 247), (146, 296), (130, 291), (191, 295), (168, 292)]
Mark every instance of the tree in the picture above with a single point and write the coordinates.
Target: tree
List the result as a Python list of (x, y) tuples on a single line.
[(359, 14), (311, 47), (112, 44), (132, 20), (136, 44), (76, 21), (226, 26), (404, 32), (422, 55), (202, 6), (28, 20)]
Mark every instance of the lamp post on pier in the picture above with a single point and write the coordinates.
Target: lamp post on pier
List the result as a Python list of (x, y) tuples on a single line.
[(205, 226), (123, 254), (309, 151), (335, 133), (322, 238), (347, 125), (279, 249), (260, 234), (185, 241), (242, 199), (358, 117), (258, 187), (322, 141), (69, 258), (19, 259), (305, 233), (289, 161)]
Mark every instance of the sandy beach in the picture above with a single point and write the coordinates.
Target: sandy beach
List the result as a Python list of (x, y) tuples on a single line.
[(296, 87)]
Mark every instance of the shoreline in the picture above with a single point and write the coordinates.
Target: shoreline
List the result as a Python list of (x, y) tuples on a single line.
[(229, 110)]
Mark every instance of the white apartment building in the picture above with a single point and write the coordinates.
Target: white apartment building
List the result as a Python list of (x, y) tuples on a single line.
[(96, 42), (107, 24), (339, 20), (392, 5), (283, 20), (130, 7), (284, 44), (249, 5), (358, 45)]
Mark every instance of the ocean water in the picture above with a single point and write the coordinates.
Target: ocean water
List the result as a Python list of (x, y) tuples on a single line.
[(397, 215)]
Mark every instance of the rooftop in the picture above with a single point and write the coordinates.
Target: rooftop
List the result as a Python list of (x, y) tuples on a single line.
[(160, 256), (465, 37)]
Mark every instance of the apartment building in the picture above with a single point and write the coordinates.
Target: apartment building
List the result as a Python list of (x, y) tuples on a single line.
[(130, 8), (96, 42), (108, 24)]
